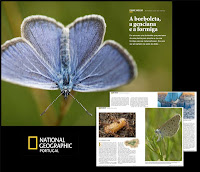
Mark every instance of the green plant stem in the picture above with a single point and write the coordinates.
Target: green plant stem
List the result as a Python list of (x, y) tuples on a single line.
[(64, 107), (41, 97), (42, 100), (15, 22)]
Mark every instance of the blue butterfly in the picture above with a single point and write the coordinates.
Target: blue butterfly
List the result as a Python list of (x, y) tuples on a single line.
[(50, 56), (173, 96)]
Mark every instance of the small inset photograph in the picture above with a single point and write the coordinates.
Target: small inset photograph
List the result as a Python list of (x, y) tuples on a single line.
[(179, 99), (133, 143), (117, 124), (163, 134)]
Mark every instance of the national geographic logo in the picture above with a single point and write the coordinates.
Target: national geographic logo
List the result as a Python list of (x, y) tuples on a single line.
[(32, 142), (48, 144)]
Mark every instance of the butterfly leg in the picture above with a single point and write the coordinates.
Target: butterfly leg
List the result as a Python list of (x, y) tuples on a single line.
[(158, 138)]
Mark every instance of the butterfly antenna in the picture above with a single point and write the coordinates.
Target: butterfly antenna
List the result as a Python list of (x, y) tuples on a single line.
[(80, 104), (50, 104)]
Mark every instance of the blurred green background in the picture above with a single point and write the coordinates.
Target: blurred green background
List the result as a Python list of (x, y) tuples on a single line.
[(22, 106), (169, 149)]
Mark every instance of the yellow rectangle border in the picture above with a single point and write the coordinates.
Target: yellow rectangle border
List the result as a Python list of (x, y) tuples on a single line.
[(29, 138)]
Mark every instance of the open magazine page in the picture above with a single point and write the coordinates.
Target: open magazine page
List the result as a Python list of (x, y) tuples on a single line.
[(123, 141), (187, 100), (133, 99), (120, 136)]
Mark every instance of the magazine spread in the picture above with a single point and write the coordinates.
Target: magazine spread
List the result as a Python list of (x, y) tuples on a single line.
[(187, 100), (136, 136)]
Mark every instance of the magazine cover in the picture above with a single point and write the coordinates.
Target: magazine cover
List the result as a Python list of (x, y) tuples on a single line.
[(142, 30), (61, 64)]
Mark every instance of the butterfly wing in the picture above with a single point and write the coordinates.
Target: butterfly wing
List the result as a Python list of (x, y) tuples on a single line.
[(22, 65), (110, 67), (85, 35), (172, 96), (170, 127), (44, 34), (33, 60), (95, 67)]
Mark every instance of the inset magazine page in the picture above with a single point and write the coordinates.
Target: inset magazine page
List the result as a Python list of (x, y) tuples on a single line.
[(186, 100), (128, 136), (120, 134)]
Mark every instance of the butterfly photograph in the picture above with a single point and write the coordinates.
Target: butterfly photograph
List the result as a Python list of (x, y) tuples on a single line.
[(58, 63), (163, 131)]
